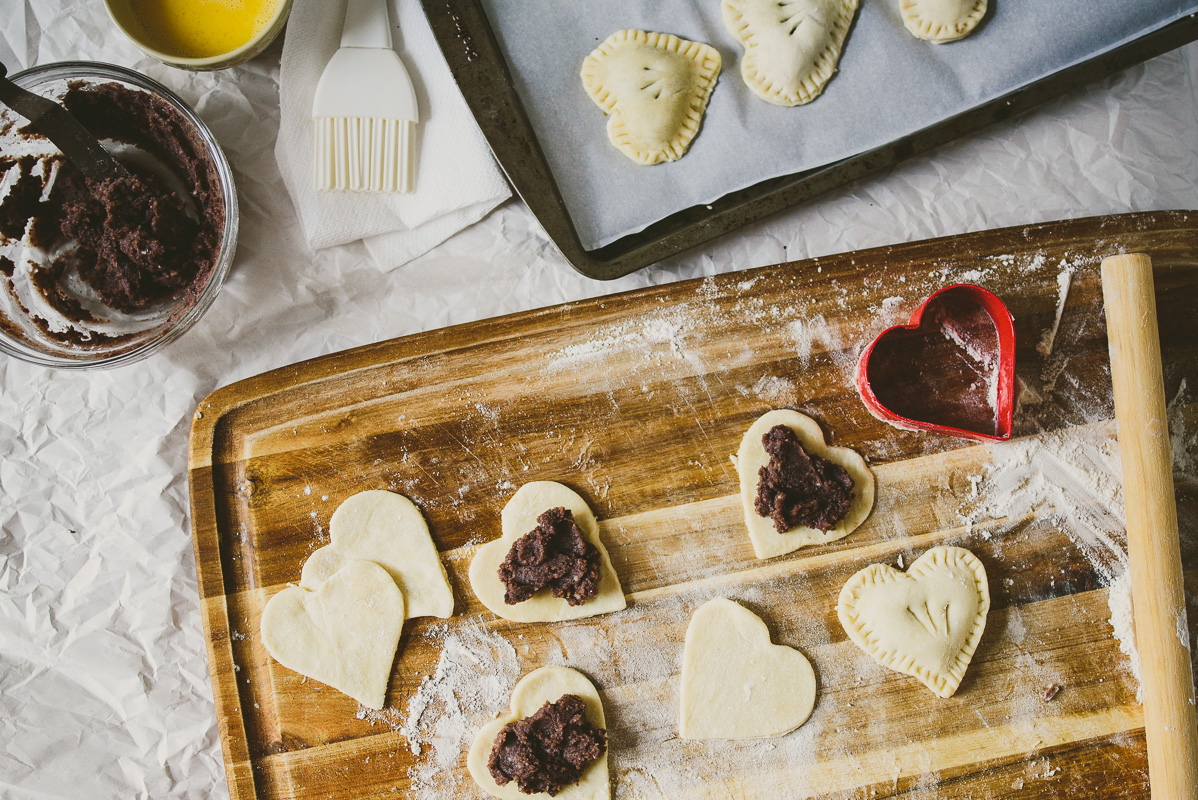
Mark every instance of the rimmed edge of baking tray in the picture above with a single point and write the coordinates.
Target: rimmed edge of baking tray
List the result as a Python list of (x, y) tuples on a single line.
[(478, 66)]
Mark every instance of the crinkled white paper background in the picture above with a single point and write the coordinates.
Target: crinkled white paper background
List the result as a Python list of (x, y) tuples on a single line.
[(103, 676)]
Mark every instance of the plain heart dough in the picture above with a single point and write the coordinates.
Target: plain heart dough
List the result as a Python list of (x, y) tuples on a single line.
[(518, 518), (654, 87), (344, 634), (735, 684), (388, 529), (545, 685), (925, 622), (791, 46), (751, 457)]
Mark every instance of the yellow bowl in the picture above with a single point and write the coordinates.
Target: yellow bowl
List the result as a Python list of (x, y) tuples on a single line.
[(125, 16)]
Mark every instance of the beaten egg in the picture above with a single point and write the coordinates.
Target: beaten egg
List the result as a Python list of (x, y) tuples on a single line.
[(202, 28)]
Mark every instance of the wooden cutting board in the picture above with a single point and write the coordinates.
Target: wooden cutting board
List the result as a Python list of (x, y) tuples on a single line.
[(636, 401)]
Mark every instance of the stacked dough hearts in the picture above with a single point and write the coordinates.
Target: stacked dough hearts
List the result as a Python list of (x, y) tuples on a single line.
[(341, 625)]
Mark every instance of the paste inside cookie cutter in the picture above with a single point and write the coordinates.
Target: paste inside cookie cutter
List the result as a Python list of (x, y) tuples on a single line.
[(951, 370)]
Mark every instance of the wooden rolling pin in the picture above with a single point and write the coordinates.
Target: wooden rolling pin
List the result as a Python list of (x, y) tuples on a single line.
[(1153, 549)]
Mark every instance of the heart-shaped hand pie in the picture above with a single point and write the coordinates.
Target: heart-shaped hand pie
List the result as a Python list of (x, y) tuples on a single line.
[(388, 529), (951, 370), (942, 20), (752, 457), (344, 634), (655, 88), (925, 622), (735, 683), (545, 685), (518, 518), (791, 46)]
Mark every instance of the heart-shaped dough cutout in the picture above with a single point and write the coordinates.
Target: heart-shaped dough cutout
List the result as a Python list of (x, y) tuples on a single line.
[(750, 459), (518, 518), (942, 21), (735, 683), (343, 634), (925, 622), (951, 370), (791, 46), (388, 529), (541, 686), (654, 87)]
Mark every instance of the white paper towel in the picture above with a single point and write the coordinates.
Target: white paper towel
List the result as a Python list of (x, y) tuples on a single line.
[(457, 180)]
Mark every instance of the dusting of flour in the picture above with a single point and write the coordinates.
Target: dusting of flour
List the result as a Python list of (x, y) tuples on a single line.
[(1074, 476), (471, 684)]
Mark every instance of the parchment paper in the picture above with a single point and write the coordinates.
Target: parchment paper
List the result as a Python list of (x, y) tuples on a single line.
[(889, 84), (104, 688)]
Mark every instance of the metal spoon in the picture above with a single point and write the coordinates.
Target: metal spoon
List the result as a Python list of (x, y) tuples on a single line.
[(58, 125)]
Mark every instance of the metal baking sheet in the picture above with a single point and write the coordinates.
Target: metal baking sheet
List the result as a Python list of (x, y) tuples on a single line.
[(472, 47)]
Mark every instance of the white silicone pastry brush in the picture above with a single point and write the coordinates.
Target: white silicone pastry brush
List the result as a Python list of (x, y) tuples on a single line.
[(365, 109)]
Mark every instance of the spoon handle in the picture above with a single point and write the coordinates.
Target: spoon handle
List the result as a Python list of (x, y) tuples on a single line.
[(58, 125)]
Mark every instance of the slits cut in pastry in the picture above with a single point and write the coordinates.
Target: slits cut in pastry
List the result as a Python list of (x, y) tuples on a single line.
[(791, 46), (942, 21), (925, 622), (654, 87)]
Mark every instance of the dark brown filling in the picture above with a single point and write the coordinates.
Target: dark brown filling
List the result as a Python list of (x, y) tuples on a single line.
[(553, 554), (943, 372), (137, 245), (798, 488), (549, 750)]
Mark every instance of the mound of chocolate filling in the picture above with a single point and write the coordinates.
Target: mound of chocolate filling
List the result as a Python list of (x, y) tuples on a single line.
[(549, 750), (553, 554), (134, 236), (798, 488)]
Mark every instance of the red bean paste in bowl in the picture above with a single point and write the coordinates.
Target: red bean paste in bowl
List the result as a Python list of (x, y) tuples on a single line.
[(126, 244)]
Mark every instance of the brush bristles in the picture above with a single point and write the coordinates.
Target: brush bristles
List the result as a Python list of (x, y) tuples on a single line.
[(364, 154)]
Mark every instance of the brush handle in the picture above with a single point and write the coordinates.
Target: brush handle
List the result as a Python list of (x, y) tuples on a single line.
[(367, 24), (1153, 550)]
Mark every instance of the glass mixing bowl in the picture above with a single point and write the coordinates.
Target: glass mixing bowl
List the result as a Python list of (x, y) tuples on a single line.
[(31, 328)]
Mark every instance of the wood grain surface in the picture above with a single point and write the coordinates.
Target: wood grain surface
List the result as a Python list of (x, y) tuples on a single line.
[(636, 401)]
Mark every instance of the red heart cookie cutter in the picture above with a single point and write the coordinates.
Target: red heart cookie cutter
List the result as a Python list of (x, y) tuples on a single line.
[(950, 371)]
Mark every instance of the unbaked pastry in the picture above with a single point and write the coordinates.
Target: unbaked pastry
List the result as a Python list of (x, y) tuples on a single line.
[(388, 529), (942, 21), (541, 686), (735, 683), (925, 622), (751, 457), (791, 46), (654, 88), (344, 633), (518, 518)]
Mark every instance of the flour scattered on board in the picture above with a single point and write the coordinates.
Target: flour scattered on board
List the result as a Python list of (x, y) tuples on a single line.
[(806, 333), (647, 337), (1047, 338), (1074, 476), (1121, 620), (471, 684)]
